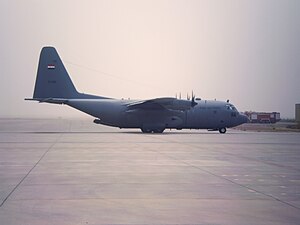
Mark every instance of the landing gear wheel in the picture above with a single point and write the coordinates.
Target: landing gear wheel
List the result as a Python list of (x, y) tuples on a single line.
[(158, 131), (222, 130), (147, 131)]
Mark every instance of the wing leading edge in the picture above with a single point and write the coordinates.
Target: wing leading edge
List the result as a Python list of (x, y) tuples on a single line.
[(162, 104)]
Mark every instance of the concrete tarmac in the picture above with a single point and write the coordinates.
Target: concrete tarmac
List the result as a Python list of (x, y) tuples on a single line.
[(76, 172)]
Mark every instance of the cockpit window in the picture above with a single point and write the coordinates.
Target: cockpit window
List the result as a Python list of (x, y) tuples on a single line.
[(231, 107)]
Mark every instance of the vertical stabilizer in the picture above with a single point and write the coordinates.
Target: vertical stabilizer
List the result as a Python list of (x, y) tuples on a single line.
[(52, 79)]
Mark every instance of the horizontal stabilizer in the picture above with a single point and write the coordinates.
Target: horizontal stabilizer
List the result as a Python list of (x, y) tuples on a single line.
[(49, 100)]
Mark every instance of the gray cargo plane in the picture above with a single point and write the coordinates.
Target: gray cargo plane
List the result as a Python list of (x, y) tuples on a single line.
[(53, 85)]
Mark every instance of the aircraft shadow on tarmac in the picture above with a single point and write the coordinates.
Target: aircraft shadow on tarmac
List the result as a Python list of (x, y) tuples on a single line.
[(117, 132)]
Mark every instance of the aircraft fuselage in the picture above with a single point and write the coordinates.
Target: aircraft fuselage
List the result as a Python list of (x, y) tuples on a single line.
[(205, 115)]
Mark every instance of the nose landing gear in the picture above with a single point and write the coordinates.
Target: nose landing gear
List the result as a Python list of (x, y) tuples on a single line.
[(222, 130)]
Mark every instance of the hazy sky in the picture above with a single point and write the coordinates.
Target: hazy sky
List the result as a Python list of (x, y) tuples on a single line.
[(245, 51)]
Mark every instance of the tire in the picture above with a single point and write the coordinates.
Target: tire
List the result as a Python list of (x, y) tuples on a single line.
[(158, 131), (222, 130), (146, 131)]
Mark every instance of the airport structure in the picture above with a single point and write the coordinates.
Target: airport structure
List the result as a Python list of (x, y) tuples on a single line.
[(263, 117), (297, 113)]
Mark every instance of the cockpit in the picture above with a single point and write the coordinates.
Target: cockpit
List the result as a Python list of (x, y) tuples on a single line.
[(234, 111)]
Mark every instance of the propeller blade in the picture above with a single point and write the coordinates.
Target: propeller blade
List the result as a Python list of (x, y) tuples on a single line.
[(193, 100)]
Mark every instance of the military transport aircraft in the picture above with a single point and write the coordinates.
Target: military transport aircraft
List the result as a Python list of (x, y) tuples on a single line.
[(53, 85)]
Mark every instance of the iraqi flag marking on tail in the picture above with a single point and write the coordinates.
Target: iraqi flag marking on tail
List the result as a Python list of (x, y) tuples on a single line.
[(51, 66)]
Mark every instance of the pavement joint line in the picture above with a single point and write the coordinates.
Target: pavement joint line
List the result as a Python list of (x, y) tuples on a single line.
[(15, 188), (262, 161), (247, 187), (220, 176)]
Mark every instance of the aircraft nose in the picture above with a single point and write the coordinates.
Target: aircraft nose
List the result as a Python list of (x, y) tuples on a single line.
[(244, 118)]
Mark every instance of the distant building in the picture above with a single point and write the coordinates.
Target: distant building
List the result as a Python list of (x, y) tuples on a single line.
[(263, 117), (297, 113)]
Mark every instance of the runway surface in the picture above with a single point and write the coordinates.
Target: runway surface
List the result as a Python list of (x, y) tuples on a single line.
[(76, 172)]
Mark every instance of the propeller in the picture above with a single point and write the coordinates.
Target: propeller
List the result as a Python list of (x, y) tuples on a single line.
[(193, 103), (178, 96), (187, 96)]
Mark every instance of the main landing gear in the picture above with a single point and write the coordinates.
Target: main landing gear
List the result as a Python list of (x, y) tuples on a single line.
[(157, 130)]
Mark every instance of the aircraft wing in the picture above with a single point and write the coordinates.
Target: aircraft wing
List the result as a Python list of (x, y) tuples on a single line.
[(161, 104)]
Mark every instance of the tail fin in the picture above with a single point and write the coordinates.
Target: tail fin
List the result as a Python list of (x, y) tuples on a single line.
[(52, 79)]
